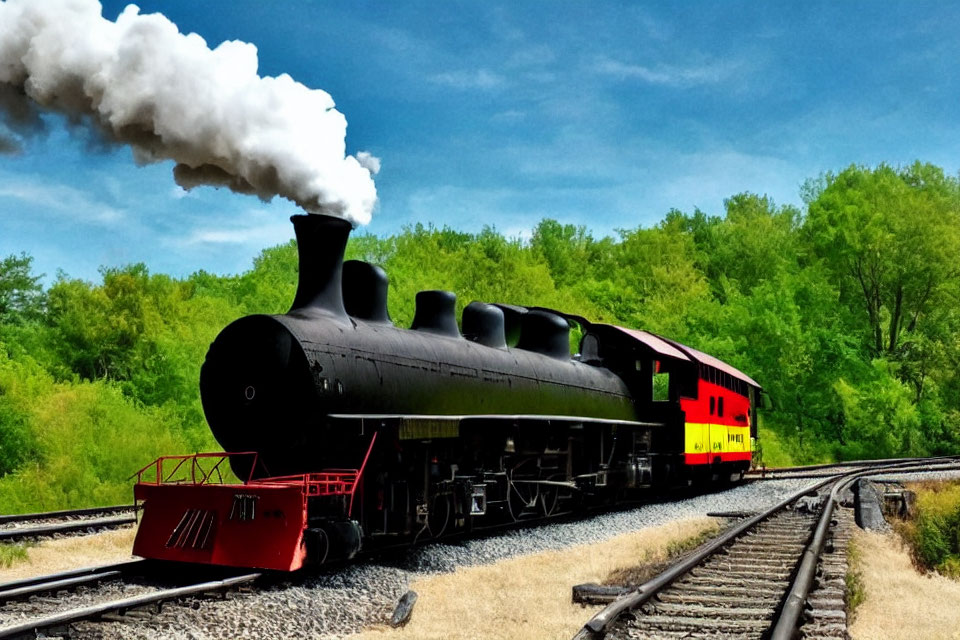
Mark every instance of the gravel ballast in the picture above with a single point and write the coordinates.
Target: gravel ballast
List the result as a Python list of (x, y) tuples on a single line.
[(346, 600)]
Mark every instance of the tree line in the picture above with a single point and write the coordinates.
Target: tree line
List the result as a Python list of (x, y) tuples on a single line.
[(845, 310)]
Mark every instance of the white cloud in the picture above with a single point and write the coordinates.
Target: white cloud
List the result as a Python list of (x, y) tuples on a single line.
[(665, 74), (653, 28), (514, 211), (59, 199), (254, 227), (581, 180), (706, 179), (475, 79), (510, 115)]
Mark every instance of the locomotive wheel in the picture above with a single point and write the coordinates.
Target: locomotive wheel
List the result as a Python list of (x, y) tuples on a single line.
[(522, 497), (549, 498)]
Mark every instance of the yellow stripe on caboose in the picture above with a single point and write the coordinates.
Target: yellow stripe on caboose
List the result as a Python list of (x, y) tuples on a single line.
[(697, 438), (716, 438)]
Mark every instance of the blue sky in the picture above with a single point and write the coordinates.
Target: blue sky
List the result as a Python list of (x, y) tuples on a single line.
[(605, 114)]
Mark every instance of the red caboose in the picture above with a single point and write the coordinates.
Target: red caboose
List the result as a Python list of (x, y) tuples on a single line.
[(705, 408)]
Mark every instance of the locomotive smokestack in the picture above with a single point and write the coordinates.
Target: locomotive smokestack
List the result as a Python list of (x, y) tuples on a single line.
[(321, 241)]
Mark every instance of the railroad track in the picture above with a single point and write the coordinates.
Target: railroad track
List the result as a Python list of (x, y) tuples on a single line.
[(828, 470), (756, 579), (29, 526), (33, 605)]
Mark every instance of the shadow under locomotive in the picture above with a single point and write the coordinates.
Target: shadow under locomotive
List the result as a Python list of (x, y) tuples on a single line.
[(349, 432)]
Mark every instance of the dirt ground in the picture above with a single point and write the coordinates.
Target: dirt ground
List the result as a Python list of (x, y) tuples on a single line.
[(901, 603), (529, 596), (50, 556)]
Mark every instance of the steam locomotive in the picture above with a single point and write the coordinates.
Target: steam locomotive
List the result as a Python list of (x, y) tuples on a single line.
[(347, 432)]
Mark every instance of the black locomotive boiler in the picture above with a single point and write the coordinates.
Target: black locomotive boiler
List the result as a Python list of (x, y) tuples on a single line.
[(349, 432)]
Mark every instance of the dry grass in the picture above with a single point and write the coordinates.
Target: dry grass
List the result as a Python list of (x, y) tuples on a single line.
[(900, 603), (529, 596), (50, 556), (933, 486), (656, 560), (853, 580)]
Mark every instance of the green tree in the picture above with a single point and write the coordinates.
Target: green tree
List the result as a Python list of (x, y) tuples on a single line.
[(892, 238), (21, 294), (565, 248)]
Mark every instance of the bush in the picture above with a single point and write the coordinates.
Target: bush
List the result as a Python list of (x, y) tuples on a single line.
[(934, 533), (89, 439), (11, 554)]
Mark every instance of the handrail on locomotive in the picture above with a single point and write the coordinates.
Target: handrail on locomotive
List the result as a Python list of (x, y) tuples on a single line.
[(319, 483), (160, 479)]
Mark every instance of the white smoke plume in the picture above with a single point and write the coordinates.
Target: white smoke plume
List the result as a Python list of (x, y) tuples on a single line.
[(168, 95)]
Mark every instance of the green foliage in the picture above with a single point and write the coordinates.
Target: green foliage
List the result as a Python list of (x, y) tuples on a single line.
[(847, 314), (21, 382), (773, 451), (879, 416), (934, 533), (21, 294), (567, 250), (90, 438), (891, 238), (11, 554)]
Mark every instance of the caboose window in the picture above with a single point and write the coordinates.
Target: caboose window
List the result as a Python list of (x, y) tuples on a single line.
[(720, 407), (712, 404), (661, 387)]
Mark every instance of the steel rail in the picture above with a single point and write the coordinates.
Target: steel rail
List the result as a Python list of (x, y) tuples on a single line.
[(597, 625), (789, 617), (25, 517), (122, 605), (19, 533), (62, 575), (882, 464), (794, 476), (54, 585), (851, 463)]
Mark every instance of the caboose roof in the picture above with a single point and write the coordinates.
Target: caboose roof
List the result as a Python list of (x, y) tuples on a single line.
[(716, 363), (668, 348), (655, 343)]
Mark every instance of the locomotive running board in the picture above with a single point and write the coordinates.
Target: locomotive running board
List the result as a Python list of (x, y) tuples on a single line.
[(390, 418), (424, 426)]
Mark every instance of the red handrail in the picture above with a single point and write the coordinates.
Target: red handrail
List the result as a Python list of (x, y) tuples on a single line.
[(157, 466), (324, 483)]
